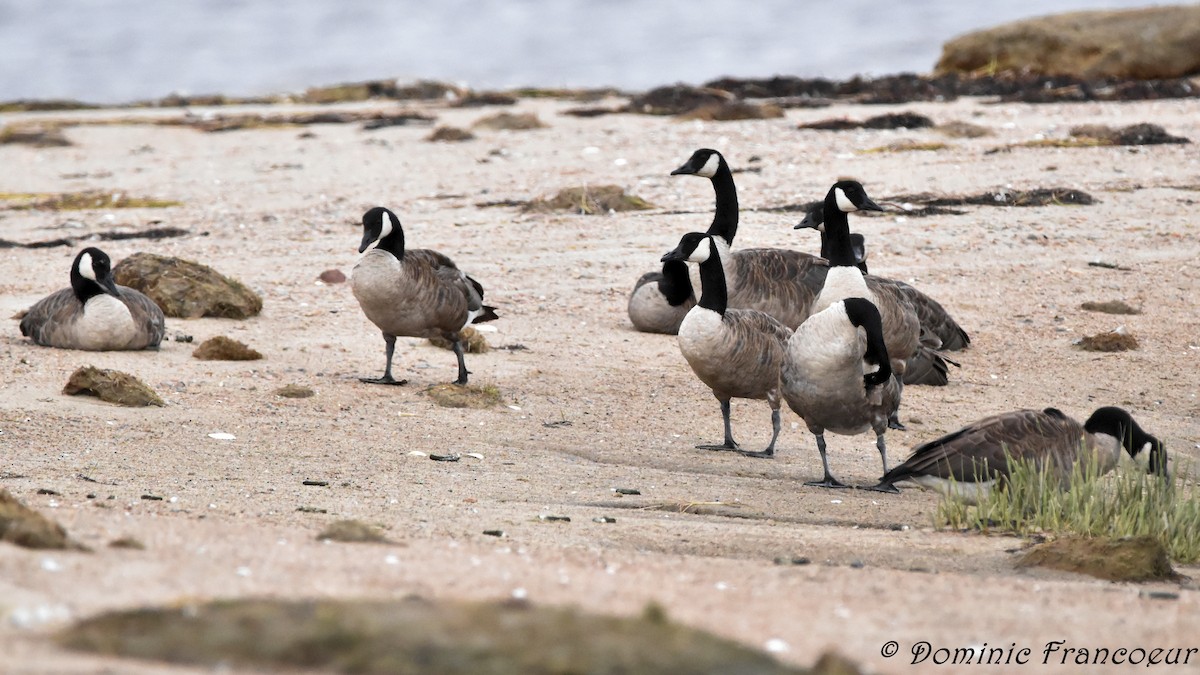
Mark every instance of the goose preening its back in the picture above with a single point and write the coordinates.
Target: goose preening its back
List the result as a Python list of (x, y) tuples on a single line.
[(837, 377), (736, 352), (413, 292), (968, 463), (95, 313), (934, 318)]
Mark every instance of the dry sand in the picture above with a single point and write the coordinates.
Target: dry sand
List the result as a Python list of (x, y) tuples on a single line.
[(589, 405)]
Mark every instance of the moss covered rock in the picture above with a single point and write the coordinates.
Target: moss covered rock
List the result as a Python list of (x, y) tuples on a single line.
[(112, 386), (186, 289)]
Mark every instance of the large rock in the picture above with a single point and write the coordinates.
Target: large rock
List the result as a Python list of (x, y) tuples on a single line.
[(185, 289), (1151, 43)]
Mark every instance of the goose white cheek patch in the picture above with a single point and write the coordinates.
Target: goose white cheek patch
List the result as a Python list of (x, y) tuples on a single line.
[(85, 267), (843, 201), (700, 254), (710, 167)]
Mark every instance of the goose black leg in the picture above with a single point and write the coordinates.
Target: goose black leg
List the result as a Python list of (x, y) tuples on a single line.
[(881, 486), (730, 444), (387, 371), (769, 452), (829, 481), (462, 363)]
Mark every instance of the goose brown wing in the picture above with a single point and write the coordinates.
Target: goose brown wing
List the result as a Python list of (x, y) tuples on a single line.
[(148, 316), (49, 315), (982, 448), (777, 281), (933, 317)]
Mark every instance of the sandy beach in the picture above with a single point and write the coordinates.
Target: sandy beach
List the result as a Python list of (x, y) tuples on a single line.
[(589, 405)]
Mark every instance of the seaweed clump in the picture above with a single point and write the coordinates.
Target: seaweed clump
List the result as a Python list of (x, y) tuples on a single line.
[(22, 526), (221, 348), (112, 386), (590, 200), (1141, 558)]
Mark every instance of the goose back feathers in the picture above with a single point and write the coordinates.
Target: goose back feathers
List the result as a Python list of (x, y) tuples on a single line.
[(968, 463), (95, 314)]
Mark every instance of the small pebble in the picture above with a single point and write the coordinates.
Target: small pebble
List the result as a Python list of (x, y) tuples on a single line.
[(604, 519), (494, 533), (555, 519), (627, 491), (445, 458), (316, 483)]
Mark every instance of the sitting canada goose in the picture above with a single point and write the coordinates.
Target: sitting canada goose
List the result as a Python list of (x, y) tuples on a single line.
[(934, 318), (736, 352), (413, 293), (94, 313), (837, 377), (660, 300), (968, 463), (901, 327)]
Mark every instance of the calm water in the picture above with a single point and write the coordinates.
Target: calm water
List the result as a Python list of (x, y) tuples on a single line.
[(111, 51)]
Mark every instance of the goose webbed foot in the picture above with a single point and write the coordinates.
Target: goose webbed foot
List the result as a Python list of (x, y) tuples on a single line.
[(769, 453), (894, 423), (386, 379), (881, 487), (828, 482), (728, 446)]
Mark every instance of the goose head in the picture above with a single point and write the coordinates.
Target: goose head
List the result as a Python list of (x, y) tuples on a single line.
[(691, 248), (91, 275), (1118, 423), (704, 162), (848, 196), (381, 228), (815, 219)]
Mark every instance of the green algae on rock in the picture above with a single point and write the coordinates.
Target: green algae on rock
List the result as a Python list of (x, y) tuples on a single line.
[(415, 636), (186, 289)]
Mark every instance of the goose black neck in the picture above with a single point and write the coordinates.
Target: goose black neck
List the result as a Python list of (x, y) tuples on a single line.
[(394, 242), (725, 220), (675, 285), (713, 293), (837, 247), (85, 289), (863, 313)]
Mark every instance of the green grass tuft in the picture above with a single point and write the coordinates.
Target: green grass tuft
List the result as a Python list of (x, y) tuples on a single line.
[(1126, 504)]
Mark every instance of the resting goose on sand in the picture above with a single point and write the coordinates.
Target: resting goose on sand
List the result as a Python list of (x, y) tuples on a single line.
[(660, 300), (95, 313), (837, 377), (414, 292), (736, 352), (934, 318), (968, 463)]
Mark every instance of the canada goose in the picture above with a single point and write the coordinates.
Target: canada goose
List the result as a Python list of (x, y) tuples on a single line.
[(94, 313), (779, 282), (414, 292), (736, 352), (968, 463), (901, 326), (837, 377), (815, 219), (660, 300), (934, 318)]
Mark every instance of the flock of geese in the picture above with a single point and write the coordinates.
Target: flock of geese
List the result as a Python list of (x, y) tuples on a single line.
[(835, 343)]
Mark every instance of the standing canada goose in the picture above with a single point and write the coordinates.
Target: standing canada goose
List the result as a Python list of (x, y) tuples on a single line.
[(736, 352), (968, 463), (901, 326), (660, 300), (837, 377), (779, 282), (94, 313), (413, 293), (934, 318)]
